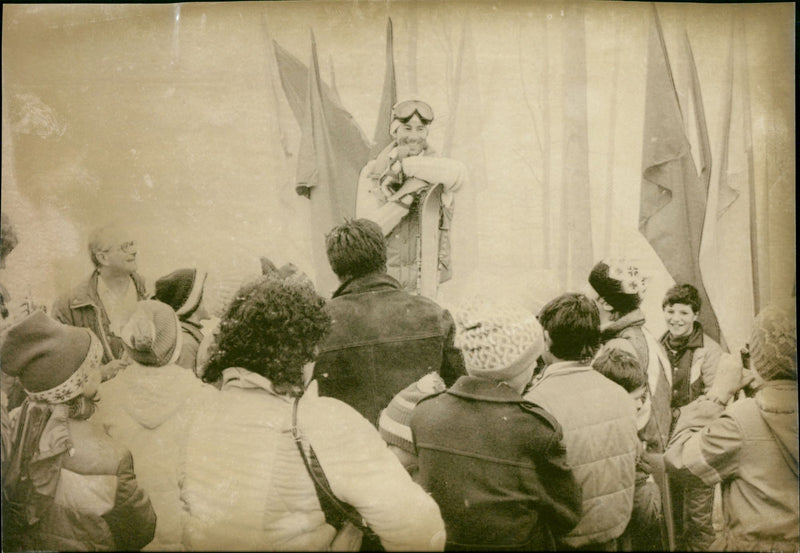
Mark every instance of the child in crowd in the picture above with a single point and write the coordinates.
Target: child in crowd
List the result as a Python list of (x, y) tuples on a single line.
[(623, 368), (149, 407), (183, 291), (67, 486)]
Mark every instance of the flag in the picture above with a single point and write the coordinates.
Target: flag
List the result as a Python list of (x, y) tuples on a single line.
[(382, 138), (323, 175), (350, 145), (673, 198), (728, 258), (575, 257)]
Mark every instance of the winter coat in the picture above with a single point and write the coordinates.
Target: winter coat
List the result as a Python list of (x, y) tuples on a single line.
[(245, 485), (698, 360), (427, 219), (381, 340), (191, 336), (82, 307), (751, 448), (496, 466), (98, 504), (149, 410), (599, 422)]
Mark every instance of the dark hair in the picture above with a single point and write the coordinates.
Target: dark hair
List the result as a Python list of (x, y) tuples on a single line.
[(81, 407), (685, 294), (573, 323), (8, 237), (270, 328), (620, 366), (610, 289), (356, 248)]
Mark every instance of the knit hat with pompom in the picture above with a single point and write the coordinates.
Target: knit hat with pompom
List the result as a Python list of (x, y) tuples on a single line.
[(152, 336)]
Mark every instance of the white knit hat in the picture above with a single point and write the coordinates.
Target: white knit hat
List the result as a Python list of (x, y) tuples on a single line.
[(498, 341)]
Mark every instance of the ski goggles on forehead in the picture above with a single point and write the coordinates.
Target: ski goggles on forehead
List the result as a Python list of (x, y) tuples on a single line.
[(406, 110)]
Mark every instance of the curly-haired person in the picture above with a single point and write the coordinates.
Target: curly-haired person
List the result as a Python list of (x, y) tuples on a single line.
[(244, 483)]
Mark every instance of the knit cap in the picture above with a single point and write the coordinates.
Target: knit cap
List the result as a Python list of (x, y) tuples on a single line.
[(619, 281), (50, 359), (182, 290), (394, 420), (773, 342), (498, 340), (152, 335)]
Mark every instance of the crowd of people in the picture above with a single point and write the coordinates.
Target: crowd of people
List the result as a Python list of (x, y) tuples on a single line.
[(377, 420)]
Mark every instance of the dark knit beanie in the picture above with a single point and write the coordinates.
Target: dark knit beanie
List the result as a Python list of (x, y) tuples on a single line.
[(620, 283), (182, 290), (42, 352)]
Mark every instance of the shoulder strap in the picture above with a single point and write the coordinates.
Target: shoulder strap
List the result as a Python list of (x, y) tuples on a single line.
[(336, 512)]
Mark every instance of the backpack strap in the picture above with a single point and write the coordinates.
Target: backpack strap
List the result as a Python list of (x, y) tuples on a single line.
[(337, 513)]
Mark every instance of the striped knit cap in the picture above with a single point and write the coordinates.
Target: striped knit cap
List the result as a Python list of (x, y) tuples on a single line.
[(394, 420), (773, 342), (498, 341)]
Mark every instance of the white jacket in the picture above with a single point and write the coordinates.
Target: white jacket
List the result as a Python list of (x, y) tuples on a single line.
[(149, 410), (246, 488)]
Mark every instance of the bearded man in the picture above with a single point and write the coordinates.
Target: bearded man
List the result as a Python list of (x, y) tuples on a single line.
[(410, 193)]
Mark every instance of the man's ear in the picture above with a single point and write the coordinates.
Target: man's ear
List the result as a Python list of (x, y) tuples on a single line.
[(101, 257), (547, 340)]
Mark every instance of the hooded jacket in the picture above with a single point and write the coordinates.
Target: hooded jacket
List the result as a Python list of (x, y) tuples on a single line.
[(752, 449), (150, 410)]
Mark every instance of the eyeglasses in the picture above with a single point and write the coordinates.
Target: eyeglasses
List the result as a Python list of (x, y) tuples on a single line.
[(406, 110), (125, 247)]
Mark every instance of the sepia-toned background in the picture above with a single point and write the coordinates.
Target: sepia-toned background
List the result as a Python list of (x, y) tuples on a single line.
[(171, 119)]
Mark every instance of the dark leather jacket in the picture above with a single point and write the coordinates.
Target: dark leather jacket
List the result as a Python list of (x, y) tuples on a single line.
[(83, 308), (382, 339), (497, 466)]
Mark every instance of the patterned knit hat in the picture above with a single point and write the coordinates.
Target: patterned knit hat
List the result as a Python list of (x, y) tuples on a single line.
[(152, 336), (182, 290), (394, 420), (620, 282), (50, 359), (498, 341), (773, 342)]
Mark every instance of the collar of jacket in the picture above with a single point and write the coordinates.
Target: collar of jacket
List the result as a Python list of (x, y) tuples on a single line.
[(482, 389), (237, 377), (694, 341), (193, 328), (561, 368), (86, 294), (634, 318), (373, 282), (777, 396)]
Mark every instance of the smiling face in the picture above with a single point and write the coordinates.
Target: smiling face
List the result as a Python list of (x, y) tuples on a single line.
[(680, 318), (412, 133)]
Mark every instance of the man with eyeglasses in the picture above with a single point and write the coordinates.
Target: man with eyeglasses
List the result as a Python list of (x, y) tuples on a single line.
[(410, 192), (104, 302)]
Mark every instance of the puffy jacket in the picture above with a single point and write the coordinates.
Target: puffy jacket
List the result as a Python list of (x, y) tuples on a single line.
[(381, 340), (149, 410), (98, 505), (504, 487), (83, 308), (599, 422), (698, 359), (245, 485), (751, 448)]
